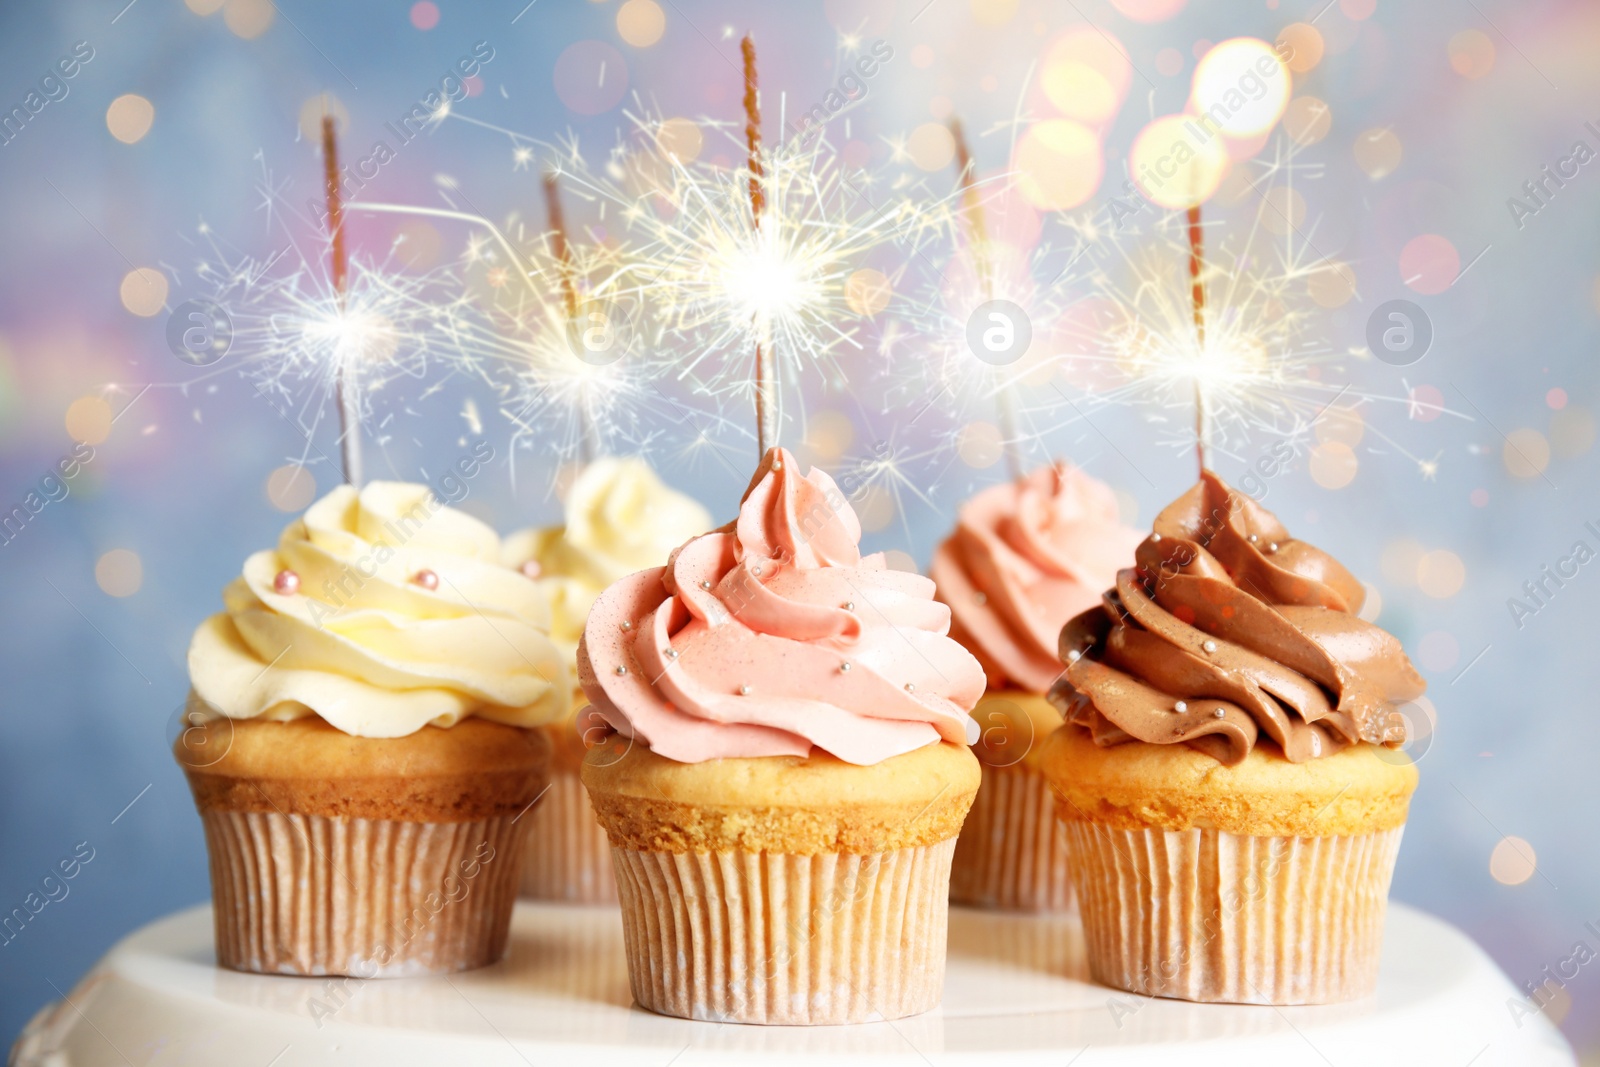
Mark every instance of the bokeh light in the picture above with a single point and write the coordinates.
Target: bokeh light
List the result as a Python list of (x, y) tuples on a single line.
[(1471, 54), (291, 488), (424, 14), (119, 572), (1429, 263), (1085, 76), (1513, 861), (874, 506), (1358, 10), (1172, 167), (249, 19), (1344, 425), (204, 7), (1441, 574), (1332, 285), (829, 435), (867, 291), (144, 291), (1526, 453), (312, 111), (979, 444), (1307, 120), (1241, 87), (1059, 165), (641, 22), (1400, 561), (129, 117), (1282, 210), (1378, 152), (1148, 10), (680, 139), (1304, 45), (931, 146), (88, 420), (1572, 431), (1333, 464), (1169, 62), (1426, 403), (993, 12)]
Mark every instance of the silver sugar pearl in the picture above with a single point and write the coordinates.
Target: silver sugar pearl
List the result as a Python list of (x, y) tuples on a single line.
[(910, 688), (1219, 713), (845, 666), (626, 625), (705, 584), (672, 653), (1074, 656), (1180, 707), (744, 690), (621, 670), (1155, 539), (777, 464), (1209, 646), (1253, 539), (849, 605), (1272, 546)]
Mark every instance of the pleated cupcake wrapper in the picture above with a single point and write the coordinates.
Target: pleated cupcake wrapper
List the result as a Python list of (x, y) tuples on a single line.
[(1210, 916), (567, 856), (781, 939), (1012, 851), (312, 895)]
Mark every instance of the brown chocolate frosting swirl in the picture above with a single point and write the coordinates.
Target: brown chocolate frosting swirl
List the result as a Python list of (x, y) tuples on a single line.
[(1226, 629)]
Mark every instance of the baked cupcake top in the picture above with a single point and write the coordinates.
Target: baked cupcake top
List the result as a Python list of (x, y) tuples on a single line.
[(382, 611), (1227, 629), (620, 518), (773, 634), (1025, 557)]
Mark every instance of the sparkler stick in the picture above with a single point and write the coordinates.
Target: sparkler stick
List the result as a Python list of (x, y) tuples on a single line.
[(1197, 297), (767, 415), (588, 438), (344, 389), (972, 206)]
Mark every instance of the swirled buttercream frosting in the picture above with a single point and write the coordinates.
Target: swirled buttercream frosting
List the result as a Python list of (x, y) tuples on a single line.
[(1025, 557), (382, 611), (773, 634), (1228, 629), (619, 518)]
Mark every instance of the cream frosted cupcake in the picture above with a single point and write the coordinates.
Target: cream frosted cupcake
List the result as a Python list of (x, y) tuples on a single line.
[(1232, 801), (1025, 557), (791, 766), (362, 740), (620, 518)]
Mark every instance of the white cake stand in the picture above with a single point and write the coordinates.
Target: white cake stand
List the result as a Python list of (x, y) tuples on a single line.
[(1017, 992)]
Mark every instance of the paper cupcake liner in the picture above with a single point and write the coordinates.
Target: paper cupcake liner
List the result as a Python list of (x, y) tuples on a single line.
[(314, 895), (1012, 851), (567, 856), (1210, 916), (782, 939)]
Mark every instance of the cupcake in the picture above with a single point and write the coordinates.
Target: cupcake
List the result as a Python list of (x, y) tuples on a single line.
[(790, 768), (1228, 773), (363, 738), (1025, 557), (620, 518)]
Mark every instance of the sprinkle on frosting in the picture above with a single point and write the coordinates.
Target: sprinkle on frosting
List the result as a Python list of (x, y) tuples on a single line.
[(1025, 557), (360, 640), (1238, 640), (778, 575), (620, 518)]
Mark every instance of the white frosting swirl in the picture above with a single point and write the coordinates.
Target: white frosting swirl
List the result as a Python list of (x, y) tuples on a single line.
[(620, 518), (367, 646)]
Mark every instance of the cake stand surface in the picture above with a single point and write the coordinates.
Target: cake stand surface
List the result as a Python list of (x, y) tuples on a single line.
[(1017, 992)]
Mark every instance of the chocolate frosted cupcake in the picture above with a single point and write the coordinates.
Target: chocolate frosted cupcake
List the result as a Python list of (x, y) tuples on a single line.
[(363, 740), (1227, 776), (620, 518), (791, 766), (1024, 558)]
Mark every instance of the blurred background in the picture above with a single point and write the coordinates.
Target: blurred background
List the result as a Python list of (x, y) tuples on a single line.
[(1440, 154)]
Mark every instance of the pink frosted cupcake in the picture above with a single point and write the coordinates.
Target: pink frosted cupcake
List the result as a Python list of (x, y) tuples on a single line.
[(791, 766), (1025, 557), (620, 518)]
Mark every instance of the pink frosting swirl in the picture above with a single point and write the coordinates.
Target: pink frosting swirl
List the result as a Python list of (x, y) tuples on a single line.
[(773, 634), (1025, 557)]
